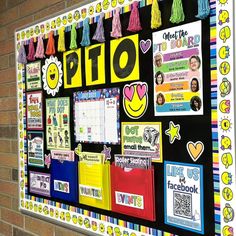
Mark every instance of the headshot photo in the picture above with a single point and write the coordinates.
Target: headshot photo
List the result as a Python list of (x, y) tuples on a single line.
[(194, 63), (160, 99), (194, 85), (158, 60), (195, 103), (159, 77)]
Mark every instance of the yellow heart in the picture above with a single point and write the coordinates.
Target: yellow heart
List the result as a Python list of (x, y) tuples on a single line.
[(195, 150)]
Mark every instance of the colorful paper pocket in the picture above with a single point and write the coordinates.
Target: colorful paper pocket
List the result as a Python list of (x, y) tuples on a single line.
[(94, 185), (64, 180), (133, 192)]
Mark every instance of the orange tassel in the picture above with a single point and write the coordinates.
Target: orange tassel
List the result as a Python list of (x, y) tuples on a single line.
[(50, 50)]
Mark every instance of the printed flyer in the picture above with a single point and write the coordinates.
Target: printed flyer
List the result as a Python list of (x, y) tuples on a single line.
[(33, 76), (183, 184), (58, 123), (177, 70), (96, 115), (40, 183), (35, 149), (34, 111), (142, 139)]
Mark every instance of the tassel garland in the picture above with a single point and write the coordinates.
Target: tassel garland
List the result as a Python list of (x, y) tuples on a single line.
[(31, 53), (86, 33), (50, 50), (203, 9), (134, 19), (40, 48), (99, 33), (155, 15), (116, 25), (22, 55), (177, 12), (61, 40), (73, 37)]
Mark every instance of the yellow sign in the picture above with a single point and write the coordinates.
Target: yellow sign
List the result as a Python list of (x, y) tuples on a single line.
[(124, 59), (72, 69), (95, 64)]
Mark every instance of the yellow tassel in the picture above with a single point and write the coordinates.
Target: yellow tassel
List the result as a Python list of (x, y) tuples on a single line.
[(156, 15), (61, 40)]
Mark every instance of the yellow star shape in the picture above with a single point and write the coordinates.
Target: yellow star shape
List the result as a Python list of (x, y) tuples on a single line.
[(173, 132)]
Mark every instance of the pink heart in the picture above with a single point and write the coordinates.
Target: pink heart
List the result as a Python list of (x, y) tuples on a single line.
[(128, 92), (141, 90)]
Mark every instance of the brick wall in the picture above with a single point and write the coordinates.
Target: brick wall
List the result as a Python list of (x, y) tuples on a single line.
[(15, 14)]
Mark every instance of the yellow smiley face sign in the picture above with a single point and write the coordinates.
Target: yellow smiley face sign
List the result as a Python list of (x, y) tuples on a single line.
[(135, 99), (52, 75)]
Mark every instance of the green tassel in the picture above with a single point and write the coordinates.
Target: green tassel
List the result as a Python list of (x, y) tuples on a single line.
[(73, 37), (177, 12)]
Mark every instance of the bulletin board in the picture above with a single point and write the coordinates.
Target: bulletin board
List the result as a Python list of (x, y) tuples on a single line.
[(126, 118)]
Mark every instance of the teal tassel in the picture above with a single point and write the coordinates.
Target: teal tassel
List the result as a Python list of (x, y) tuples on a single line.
[(203, 9), (86, 33)]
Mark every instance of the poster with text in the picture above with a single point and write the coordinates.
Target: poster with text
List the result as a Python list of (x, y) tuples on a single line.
[(183, 184), (96, 115), (33, 76), (34, 111), (40, 183), (58, 123), (35, 149), (142, 139), (177, 70)]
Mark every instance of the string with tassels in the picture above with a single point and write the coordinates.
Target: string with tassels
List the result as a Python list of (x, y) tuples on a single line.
[(61, 40), (73, 37), (40, 48), (155, 15), (31, 52), (134, 19), (99, 33), (86, 33), (116, 25), (21, 54), (203, 9), (50, 50), (177, 12)]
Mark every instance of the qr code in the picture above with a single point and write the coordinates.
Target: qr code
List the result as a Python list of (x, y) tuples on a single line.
[(183, 205)]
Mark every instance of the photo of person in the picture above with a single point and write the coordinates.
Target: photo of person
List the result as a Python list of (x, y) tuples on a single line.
[(158, 60), (159, 78), (194, 85), (194, 63), (160, 99), (195, 103)]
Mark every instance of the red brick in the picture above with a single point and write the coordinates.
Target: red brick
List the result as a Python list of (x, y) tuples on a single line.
[(14, 146), (9, 16), (12, 217), (3, 33), (15, 204), (12, 3), (5, 229), (7, 46), (5, 145), (8, 104), (4, 62), (27, 8), (49, 10), (59, 231), (8, 118), (3, 5), (9, 188), (5, 201), (70, 3), (33, 225), (8, 75), (9, 160), (5, 173)]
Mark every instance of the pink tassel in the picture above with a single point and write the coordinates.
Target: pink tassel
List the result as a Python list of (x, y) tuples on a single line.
[(40, 48), (50, 50), (31, 53), (134, 20), (116, 25)]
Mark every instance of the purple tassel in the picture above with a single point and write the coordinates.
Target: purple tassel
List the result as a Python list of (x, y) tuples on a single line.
[(31, 53), (22, 55), (134, 20), (40, 48), (99, 33), (116, 25)]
